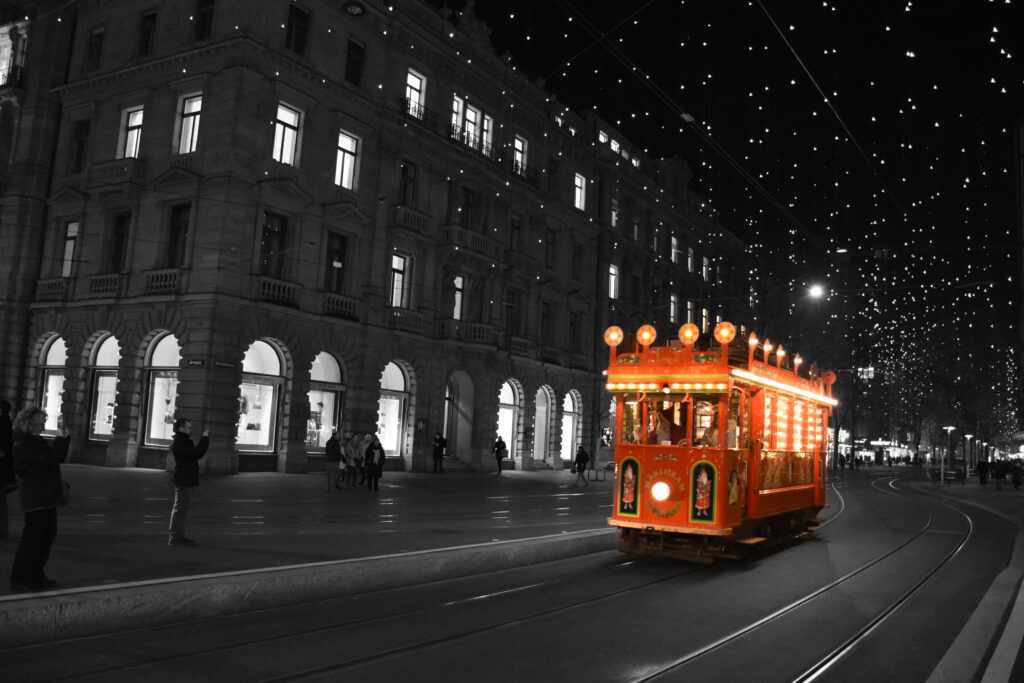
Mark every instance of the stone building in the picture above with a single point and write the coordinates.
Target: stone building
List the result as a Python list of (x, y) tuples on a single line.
[(280, 218)]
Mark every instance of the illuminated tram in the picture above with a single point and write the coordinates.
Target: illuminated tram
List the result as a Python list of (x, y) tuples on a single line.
[(716, 449)]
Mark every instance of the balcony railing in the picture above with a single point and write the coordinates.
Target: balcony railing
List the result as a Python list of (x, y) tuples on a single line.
[(102, 286), (405, 217), (522, 347), (464, 238), (162, 281), (474, 142), (116, 171), (52, 289), (406, 319), (278, 291), (340, 306), (417, 112)]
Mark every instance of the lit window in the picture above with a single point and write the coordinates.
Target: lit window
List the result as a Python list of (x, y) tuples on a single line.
[(602, 137), (579, 196), (67, 263), (673, 308), (519, 155), (459, 286), (470, 125), (676, 253), (689, 259), (191, 107), (705, 271), (615, 212), (131, 133), (296, 30), (415, 85), (613, 281), (286, 134), (398, 280), (345, 168)]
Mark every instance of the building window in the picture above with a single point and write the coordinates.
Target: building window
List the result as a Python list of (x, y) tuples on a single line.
[(296, 30), (550, 243), (512, 312), (515, 232), (689, 260), (202, 27), (286, 134), (188, 123), (258, 398), (471, 126), (613, 281), (272, 243), (51, 388), (162, 400), (579, 195), (147, 33), (337, 246), (79, 146), (574, 331), (519, 155), (705, 271), (577, 260), (399, 275), (104, 389), (615, 213), (131, 133), (407, 184), (467, 208), (345, 167), (415, 88), (673, 308), (391, 409), (552, 174), (117, 251), (459, 287), (355, 57), (690, 311), (546, 332), (705, 318), (636, 229), (325, 398), (181, 215), (677, 255), (94, 49), (67, 260)]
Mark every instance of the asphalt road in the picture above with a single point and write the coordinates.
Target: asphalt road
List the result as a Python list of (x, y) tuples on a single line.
[(895, 576)]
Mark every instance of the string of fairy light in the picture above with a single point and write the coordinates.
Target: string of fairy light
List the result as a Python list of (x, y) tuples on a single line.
[(885, 129)]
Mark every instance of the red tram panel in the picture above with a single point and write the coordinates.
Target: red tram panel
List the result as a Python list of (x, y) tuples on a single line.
[(716, 449)]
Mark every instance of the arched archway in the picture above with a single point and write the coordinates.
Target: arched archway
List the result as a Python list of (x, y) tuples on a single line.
[(459, 398), (259, 394), (543, 422), (162, 360), (571, 415), (326, 390), (392, 408), (510, 404), (103, 388), (52, 373)]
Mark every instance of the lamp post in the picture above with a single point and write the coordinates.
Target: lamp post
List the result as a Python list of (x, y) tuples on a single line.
[(967, 451), (949, 445)]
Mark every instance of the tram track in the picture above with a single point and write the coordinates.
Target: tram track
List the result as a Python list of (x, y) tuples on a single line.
[(821, 667)]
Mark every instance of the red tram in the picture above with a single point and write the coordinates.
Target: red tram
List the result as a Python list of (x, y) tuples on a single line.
[(716, 449)]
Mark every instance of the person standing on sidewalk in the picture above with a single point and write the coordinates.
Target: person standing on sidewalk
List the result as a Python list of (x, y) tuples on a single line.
[(333, 458), (186, 477), (352, 458), (440, 443), (8, 482), (500, 452), (37, 465), (374, 463), (579, 466)]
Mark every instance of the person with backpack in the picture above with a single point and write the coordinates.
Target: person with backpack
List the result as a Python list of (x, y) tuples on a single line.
[(579, 466)]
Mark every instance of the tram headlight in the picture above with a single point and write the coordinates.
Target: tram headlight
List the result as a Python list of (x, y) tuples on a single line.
[(660, 491)]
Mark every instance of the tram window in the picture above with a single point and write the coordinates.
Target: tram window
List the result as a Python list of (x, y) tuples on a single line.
[(666, 422), (705, 420), (632, 422), (736, 421)]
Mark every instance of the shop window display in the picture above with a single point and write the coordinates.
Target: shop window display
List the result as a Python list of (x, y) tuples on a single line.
[(52, 385), (257, 399), (162, 392), (104, 390)]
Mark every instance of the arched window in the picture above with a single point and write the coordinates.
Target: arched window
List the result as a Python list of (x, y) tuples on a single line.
[(162, 394), (570, 424), (394, 394), (257, 400), (508, 416), (104, 388), (51, 388), (325, 400)]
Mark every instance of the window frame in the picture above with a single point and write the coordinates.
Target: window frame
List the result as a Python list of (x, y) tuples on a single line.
[(398, 280), (579, 194), (188, 123), (346, 165), (415, 94), (287, 135), (131, 132)]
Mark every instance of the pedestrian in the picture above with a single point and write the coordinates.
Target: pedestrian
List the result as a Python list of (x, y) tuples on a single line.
[(999, 472), (374, 463), (8, 481), (360, 447), (500, 452), (579, 466), (983, 472), (440, 444), (333, 458), (1016, 474), (37, 465), (350, 459), (186, 477)]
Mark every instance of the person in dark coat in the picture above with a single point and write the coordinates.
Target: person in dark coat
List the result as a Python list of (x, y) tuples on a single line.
[(186, 477), (579, 466), (374, 463), (37, 465), (8, 482), (333, 458), (500, 452), (440, 443)]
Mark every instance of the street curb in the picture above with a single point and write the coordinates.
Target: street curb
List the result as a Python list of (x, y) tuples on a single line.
[(60, 615)]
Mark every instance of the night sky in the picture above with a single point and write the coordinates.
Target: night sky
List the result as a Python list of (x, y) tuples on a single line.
[(867, 144)]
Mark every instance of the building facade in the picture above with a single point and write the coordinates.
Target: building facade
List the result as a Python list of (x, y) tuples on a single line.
[(282, 218)]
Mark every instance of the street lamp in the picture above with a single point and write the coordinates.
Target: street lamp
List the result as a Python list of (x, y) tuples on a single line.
[(949, 444)]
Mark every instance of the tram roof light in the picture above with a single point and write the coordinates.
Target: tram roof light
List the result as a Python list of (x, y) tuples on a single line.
[(613, 336), (688, 334), (646, 335), (725, 332), (753, 339)]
